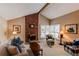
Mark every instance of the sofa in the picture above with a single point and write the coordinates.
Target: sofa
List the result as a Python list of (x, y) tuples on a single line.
[(72, 47), (6, 49), (9, 50)]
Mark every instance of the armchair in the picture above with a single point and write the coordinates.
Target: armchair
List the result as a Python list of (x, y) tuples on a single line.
[(49, 40), (35, 48)]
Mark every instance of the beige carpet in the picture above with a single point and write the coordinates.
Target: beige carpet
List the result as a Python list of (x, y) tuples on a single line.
[(56, 50)]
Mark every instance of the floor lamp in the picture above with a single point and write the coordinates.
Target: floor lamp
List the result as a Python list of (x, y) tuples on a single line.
[(61, 37)]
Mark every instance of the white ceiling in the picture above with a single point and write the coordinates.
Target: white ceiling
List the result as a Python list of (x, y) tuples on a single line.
[(59, 9), (15, 10)]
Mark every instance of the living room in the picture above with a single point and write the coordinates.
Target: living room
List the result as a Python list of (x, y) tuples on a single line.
[(39, 20)]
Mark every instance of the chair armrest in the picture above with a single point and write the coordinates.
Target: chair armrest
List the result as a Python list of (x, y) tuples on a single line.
[(41, 52)]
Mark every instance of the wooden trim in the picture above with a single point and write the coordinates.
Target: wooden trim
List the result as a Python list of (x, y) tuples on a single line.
[(44, 7)]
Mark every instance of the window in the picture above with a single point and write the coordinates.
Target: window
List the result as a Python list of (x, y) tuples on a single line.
[(52, 29), (44, 31)]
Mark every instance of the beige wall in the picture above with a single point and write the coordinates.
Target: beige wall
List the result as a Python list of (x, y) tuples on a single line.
[(3, 29), (42, 21), (72, 18), (21, 21), (17, 21)]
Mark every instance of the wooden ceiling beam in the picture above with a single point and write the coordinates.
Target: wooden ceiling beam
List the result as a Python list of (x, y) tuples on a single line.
[(43, 7)]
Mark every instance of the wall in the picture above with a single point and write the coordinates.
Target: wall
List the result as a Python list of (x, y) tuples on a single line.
[(72, 18), (35, 19), (3, 29), (31, 19), (42, 21), (17, 21)]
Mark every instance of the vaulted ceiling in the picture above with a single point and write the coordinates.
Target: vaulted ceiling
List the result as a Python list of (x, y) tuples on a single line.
[(59, 9), (14, 10)]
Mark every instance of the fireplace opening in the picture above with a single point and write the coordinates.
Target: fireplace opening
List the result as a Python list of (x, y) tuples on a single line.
[(32, 37)]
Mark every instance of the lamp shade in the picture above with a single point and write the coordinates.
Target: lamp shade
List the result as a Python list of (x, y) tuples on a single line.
[(14, 32), (61, 32)]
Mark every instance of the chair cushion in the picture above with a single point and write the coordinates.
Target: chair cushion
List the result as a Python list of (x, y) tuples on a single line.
[(35, 47), (12, 50), (76, 43), (3, 51)]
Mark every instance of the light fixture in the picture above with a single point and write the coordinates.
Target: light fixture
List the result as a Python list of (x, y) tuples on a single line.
[(14, 33)]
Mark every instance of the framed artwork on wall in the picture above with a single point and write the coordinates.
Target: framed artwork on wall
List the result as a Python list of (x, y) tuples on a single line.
[(17, 28), (71, 28)]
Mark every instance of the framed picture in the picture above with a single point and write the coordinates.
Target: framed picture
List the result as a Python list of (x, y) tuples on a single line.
[(71, 28), (17, 28)]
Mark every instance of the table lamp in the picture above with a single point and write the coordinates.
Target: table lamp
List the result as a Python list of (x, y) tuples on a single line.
[(14, 33)]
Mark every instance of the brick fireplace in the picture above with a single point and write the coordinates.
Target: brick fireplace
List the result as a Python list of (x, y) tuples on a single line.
[(31, 26)]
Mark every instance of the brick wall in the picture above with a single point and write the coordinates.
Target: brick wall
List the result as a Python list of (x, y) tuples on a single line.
[(31, 19)]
